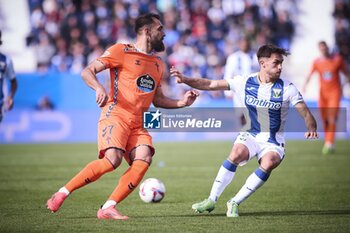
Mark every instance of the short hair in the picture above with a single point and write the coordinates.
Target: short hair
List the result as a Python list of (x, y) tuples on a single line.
[(268, 49), (322, 42), (145, 19)]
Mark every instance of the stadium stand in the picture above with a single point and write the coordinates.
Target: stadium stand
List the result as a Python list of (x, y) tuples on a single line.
[(341, 15), (67, 34)]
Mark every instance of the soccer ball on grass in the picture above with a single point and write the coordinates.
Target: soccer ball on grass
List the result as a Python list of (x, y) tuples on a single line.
[(152, 190)]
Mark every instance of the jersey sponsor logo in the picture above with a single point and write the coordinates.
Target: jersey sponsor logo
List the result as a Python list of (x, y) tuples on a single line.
[(327, 75), (276, 92), (251, 100), (145, 83)]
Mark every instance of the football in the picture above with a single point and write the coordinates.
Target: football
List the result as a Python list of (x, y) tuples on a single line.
[(152, 190)]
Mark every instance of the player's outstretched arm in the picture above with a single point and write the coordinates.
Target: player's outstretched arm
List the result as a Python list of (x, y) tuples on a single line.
[(162, 101), (9, 100), (199, 83), (89, 77), (309, 119)]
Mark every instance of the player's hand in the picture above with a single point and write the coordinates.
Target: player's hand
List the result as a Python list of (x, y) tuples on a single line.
[(177, 74), (190, 97), (9, 104), (303, 89), (311, 135), (101, 96)]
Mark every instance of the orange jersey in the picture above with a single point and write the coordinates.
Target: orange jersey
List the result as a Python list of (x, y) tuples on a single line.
[(134, 78), (328, 70)]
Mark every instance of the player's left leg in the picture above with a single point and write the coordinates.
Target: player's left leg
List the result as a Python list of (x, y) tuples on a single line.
[(331, 117), (141, 158), (243, 150), (269, 161), (225, 175)]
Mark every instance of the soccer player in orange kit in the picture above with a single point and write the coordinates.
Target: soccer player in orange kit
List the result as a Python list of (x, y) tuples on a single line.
[(328, 66), (135, 73)]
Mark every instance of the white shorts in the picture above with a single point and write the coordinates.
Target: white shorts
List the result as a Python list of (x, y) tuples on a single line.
[(257, 149)]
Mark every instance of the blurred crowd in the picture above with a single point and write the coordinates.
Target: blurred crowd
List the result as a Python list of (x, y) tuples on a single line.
[(342, 28), (68, 34)]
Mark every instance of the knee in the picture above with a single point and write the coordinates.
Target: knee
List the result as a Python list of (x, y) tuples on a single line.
[(270, 163), (114, 156), (141, 153), (239, 154)]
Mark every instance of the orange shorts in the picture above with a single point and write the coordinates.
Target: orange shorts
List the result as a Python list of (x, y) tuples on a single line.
[(120, 133)]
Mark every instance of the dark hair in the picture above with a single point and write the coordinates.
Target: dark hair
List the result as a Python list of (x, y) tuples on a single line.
[(322, 42), (268, 49), (145, 19)]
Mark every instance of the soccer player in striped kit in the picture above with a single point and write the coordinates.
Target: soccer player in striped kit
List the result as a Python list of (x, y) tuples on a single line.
[(266, 98), (6, 73)]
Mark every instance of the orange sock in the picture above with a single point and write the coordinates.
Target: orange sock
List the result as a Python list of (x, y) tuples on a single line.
[(330, 133), (90, 173), (129, 181)]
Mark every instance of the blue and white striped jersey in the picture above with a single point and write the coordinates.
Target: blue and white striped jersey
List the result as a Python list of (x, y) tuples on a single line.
[(6, 73), (266, 105)]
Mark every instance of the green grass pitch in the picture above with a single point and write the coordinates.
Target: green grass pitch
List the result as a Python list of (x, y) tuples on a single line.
[(308, 192)]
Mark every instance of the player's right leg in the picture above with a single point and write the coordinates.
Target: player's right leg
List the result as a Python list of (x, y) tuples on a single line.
[(92, 171), (239, 153), (332, 115), (329, 106), (113, 135)]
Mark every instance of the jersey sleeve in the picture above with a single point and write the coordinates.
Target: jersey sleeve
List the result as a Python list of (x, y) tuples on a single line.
[(235, 83), (229, 68), (113, 57), (10, 71), (313, 67), (294, 95)]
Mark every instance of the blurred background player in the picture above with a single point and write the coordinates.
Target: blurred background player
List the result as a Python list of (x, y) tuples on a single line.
[(7, 73), (266, 97), (135, 73), (242, 62), (328, 66)]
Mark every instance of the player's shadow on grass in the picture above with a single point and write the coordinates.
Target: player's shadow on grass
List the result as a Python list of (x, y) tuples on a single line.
[(297, 212), (243, 214), (257, 214)]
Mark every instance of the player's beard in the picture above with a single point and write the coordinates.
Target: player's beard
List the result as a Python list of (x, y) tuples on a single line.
[(158, 45), (274, 75), (277, 75)]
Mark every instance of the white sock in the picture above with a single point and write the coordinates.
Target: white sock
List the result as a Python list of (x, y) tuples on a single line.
[(254, 181), (223, 178), (64, 190), (329, 145), (108, 204)]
